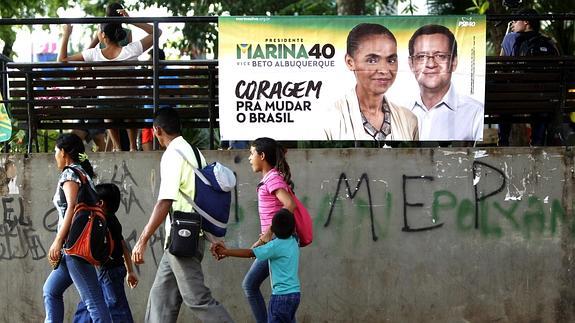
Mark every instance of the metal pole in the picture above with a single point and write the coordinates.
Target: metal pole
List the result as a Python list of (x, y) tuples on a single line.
[(156, 75), (30, 106), (212, 112)]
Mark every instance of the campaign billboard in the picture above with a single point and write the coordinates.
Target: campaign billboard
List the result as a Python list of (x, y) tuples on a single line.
[(352, 78)]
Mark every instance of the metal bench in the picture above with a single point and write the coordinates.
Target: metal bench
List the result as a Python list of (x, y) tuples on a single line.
[(57, 95), (518, 89)]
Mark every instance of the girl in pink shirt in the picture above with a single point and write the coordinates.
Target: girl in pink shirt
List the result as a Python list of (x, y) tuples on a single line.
[(266, 157)]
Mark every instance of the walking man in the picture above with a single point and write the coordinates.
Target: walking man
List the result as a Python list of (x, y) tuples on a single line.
[(178, 279)]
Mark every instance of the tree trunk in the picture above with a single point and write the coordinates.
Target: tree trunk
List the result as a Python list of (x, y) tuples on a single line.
[(497, 30), (7, 51), (350, 7)]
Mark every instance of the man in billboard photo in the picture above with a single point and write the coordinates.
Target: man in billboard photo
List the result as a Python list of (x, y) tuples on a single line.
[(443, 113), (364, 112)]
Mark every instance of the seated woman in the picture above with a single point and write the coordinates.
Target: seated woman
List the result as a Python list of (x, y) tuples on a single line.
[(110, 34)]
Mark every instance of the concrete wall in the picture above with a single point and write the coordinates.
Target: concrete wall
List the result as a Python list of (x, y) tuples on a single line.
[(401, 235)]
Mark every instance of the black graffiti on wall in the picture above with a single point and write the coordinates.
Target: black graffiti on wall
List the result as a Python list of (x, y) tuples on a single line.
[(479, 196), (126, 182), (18, 237), (479, 169), (407, 204), (343, 179), (50, 220)]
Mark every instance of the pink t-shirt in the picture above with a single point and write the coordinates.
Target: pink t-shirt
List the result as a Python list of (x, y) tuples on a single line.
[(268, 203)]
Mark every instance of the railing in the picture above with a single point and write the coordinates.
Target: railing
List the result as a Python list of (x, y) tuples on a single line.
[(56, 95), (562, 103), (155, 64)]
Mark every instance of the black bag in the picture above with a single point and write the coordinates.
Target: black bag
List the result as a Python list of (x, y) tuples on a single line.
[(185, 233), (535, 44), (89, 237)]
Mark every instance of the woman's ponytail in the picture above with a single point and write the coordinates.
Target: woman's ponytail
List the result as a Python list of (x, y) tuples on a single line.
[(113, 31), (87, 166), (282, 164), (120, 34)]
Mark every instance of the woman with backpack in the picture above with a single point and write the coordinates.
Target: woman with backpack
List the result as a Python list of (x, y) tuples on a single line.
[(69, 153)]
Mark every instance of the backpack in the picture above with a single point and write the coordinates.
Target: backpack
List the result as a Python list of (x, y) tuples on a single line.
[(303, 223), (535, 45), (213, 196), (89, 237)]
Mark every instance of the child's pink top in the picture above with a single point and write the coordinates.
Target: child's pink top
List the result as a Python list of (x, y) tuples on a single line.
[(268, 203)]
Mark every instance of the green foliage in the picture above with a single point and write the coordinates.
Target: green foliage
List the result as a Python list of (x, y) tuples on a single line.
[(19, 142), (200, 39), (479, 7), (94, 8), (562, 31), (24, 9), (309, 7), (443, 7), (410, 8), (197, 137)]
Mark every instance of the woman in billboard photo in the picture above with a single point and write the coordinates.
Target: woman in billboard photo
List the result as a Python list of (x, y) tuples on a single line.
[(364, 112)]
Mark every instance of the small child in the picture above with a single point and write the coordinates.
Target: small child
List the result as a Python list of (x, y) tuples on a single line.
[(283, 257), (111, 275)]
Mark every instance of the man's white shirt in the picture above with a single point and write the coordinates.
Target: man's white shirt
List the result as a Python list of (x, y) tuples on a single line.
[(455, 117)]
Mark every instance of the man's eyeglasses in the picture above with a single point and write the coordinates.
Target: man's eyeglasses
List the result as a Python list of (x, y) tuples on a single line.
[(439, 58)]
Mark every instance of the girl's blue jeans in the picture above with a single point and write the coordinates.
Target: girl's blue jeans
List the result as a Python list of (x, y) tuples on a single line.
[(83, 276), (258, 272), (112, 282)]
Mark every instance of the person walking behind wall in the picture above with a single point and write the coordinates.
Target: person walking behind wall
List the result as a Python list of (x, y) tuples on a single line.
[(178, 279), (267, 157), (507, 49), (527, 40), (282, 255), (69, 152), (112, 274), (110, 35)]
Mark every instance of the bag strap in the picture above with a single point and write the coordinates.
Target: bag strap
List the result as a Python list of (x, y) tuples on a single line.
[(187, 161), (524, 39), (197, 154), (82, 181), (196, 170), (85, 188), (78, 172), (201, 176)]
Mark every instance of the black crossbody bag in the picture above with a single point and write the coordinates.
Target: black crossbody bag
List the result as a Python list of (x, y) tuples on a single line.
[(185, 231)]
